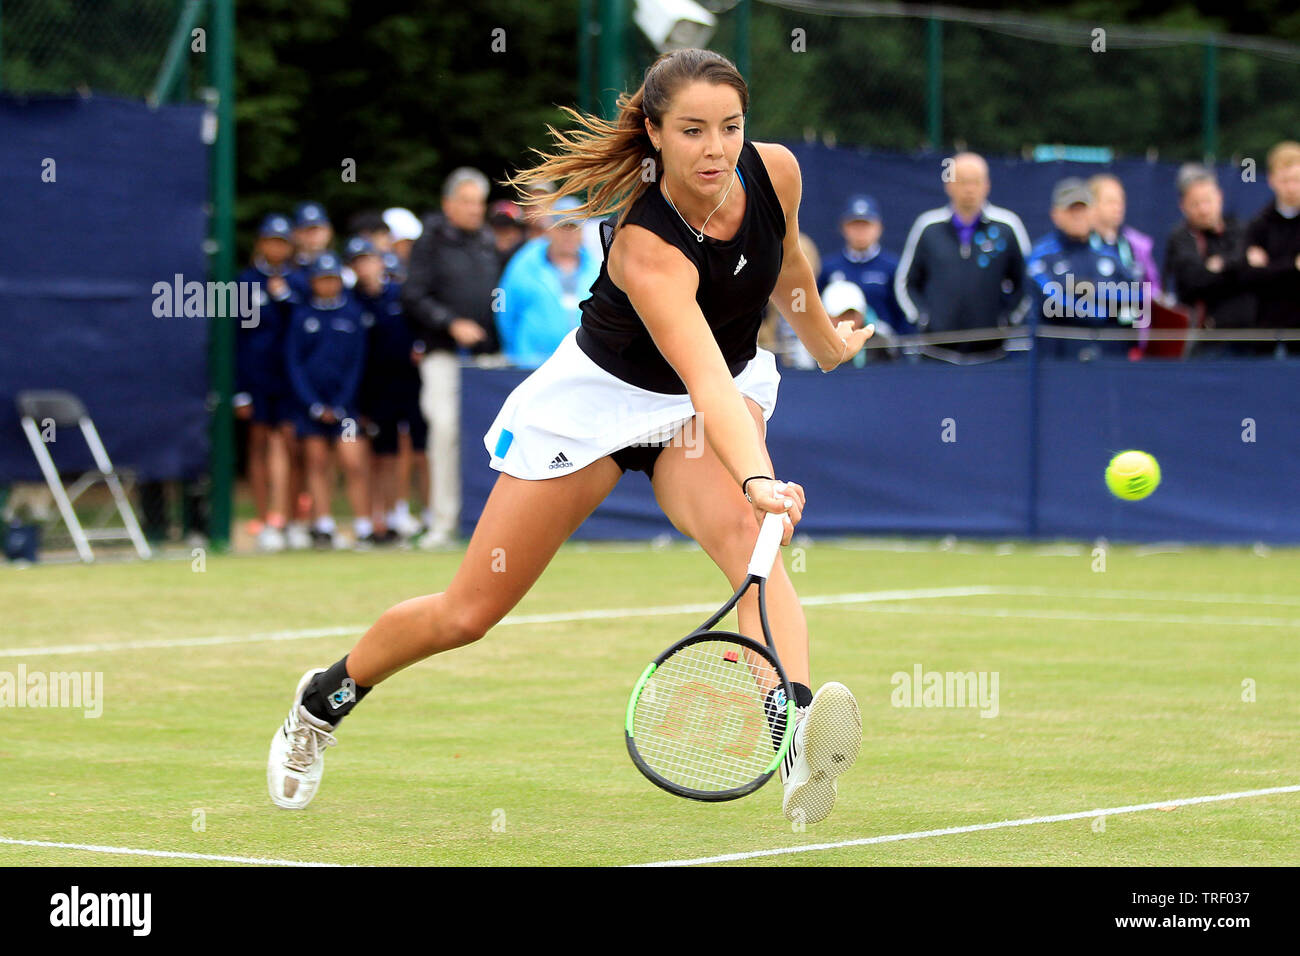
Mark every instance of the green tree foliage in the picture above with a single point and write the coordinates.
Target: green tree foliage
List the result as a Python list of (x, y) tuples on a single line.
[(863, 81), (409, 91)]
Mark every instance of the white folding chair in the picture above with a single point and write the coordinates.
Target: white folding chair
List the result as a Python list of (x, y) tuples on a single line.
[(63, 410)]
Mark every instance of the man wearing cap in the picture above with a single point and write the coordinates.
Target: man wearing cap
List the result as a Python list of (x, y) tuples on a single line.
[(262, 390), (448, 298), (864, 262), (963, 266), (1079, 281), (326, 357), (541, 289)]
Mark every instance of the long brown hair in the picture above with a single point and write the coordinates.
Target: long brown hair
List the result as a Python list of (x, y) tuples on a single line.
[(613, 163)]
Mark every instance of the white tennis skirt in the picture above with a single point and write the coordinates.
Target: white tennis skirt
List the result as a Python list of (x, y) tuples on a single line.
[(570, 412)]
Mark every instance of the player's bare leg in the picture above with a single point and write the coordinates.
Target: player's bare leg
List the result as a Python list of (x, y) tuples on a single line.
[(522, 526), (700, 497)]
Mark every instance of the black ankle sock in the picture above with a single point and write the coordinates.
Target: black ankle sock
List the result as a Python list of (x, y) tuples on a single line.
[(802, 695), (775, 707), (331, 695)]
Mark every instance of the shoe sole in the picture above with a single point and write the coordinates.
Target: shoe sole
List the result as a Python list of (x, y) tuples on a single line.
[(832, 739)]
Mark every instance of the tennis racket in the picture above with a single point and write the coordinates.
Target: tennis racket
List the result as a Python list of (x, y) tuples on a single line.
[(712, 717)]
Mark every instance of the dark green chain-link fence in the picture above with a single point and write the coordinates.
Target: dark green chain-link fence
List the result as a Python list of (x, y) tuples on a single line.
[(106, 46), (909, 78)]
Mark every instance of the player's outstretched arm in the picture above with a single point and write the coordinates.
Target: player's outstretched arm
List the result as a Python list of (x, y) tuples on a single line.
[(661, 284), (796, 294)]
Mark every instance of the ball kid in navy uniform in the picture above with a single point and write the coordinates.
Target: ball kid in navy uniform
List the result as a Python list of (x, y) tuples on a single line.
[(390, 390), (262, 389), (863, 262), (312, 235), (326, 356)]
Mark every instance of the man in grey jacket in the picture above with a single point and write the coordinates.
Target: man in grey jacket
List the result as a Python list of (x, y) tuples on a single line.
[(453, 273)]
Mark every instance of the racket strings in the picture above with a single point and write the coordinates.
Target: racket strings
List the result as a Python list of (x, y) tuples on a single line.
[(705, 718)]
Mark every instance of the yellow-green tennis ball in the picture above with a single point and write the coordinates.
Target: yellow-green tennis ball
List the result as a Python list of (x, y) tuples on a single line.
[(1132, 475)]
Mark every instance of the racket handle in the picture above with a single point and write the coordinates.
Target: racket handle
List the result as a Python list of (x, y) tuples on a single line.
[(769, 542)]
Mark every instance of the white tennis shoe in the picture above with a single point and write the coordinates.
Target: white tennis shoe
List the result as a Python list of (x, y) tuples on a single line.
[(827, 735), (297, 759)]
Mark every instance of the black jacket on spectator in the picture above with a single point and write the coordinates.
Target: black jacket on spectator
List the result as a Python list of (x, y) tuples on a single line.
[(1228, 302), (452, 275), (943, 287), (1278, 283)]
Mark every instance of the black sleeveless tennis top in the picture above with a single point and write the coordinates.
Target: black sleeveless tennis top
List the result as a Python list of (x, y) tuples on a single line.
[(737, 277)]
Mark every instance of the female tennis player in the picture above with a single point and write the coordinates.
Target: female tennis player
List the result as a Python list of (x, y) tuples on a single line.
[(707, 232)]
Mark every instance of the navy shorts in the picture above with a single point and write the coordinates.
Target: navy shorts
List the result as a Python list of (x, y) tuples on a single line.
[(387, 426), (639, 458), (270, 408), (307, 427)]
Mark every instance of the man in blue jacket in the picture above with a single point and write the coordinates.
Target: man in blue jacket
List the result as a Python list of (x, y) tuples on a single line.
[(326, 357), (1079, 281), (862, 261), (541, 289)]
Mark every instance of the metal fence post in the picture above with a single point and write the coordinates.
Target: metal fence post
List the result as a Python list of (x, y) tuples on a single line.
[(1210, 108), (222, 355), (934, 82)]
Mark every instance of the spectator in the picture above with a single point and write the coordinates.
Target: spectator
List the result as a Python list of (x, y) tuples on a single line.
[(1205, 262), (534, 214), (845, 300), (1128, 245), (864, 262), (508, 228), (448, 297), (1273, 244), (370, 225), (390, 392), (541, 289), (1079, 281), (326, 357), (963, 266), (782, 339), (261, 395), (312, 235), (403, 229)]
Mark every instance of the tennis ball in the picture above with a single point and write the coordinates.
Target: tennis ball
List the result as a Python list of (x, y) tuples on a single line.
[(1132, 475)]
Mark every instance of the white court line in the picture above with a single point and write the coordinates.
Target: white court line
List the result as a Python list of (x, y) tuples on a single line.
[(974, 828), (1121, 618), (555, 618), (868, 597), (167, 854), (1289, 600)]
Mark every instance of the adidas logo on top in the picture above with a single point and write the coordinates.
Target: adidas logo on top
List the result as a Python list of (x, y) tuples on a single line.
[(560, 461), (740, 265)]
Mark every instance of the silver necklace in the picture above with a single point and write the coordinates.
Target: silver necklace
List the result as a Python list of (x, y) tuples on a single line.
[(699, 236)]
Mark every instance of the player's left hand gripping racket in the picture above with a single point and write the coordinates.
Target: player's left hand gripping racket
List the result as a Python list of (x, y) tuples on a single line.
[(712, 717)]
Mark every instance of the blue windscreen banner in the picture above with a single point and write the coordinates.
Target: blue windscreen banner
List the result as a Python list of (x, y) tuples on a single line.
[(937, 450), (100, 200)]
